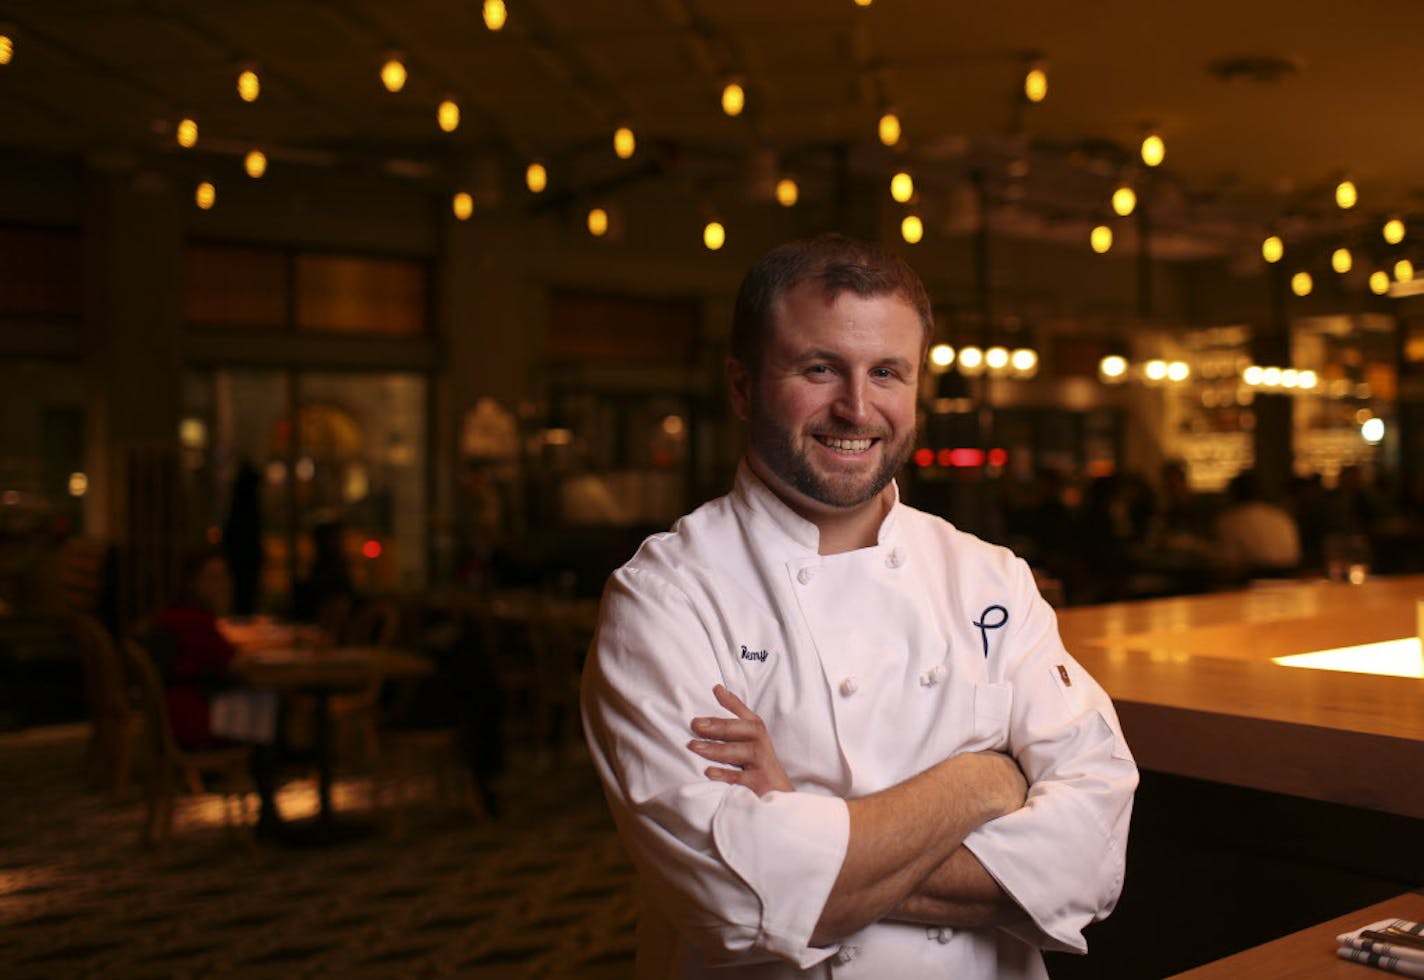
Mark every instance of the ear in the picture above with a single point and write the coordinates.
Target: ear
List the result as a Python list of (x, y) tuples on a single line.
[(739, 387)]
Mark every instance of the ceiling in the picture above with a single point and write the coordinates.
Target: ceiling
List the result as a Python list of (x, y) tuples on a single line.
[(1262, 105)]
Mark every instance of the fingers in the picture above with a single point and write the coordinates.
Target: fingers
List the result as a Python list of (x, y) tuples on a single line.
[(728, 753), (729, 729), (733, 703)]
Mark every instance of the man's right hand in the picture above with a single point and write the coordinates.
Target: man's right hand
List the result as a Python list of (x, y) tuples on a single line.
[(1004, 787)]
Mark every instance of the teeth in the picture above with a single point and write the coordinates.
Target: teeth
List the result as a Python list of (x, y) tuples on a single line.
[(847, 445)]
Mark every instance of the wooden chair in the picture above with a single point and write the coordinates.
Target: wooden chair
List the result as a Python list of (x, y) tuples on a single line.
[(374, 624), (176, 768), (109, 755)]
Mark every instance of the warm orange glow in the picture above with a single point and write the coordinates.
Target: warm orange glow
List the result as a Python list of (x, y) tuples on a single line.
[(1036, 84), (714, 235), (734, 99), (393, 75), (1101, 239), (625, 144), (902, 187), (1391, 658), (249, 86), (187, 133), (255, 163), (206, 195), (495, 14), (536, 178), (1154, 151), (597, 222), (447, 114), (888, 129), (787, 192), (912, 229), (7, 49), (463, 205)]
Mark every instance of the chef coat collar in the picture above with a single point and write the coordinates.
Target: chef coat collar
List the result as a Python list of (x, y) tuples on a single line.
[(751, 492)]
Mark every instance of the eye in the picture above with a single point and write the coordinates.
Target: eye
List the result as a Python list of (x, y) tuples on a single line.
[(819, 371), (883, 374)]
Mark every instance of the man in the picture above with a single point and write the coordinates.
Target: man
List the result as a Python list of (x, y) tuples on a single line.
[(916, 780)]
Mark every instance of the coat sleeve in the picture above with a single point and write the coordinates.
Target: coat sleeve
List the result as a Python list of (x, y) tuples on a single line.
[(1062, 856), (744, 878)]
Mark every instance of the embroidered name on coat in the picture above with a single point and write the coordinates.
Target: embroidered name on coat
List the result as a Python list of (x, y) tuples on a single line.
[(987, 622), (758, 655)]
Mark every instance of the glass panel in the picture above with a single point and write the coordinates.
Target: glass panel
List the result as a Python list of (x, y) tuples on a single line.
[(346, 294)]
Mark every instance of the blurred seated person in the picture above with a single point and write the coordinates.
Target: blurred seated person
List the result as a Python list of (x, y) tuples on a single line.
[(1255, 537), (327, 594), (195, 660)]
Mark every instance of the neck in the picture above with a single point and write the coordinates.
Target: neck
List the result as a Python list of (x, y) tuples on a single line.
[(841, 528)]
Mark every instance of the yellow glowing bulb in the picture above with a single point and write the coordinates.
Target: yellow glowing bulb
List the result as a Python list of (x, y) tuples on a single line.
[(447, 115), (889, 129), (495, 14), (1024, 359), (1394, 231), (1272, 249), (7, 49), (787, 192), (393, 75), (624, 142), (463, 205), (187, 133), (734, 99), (1036, 84), (902, 187), (912, 229), (597, 222), (1341, 260), (249, 86), (1404, 270), (863, 3), (1302, 284), (1379, 282), (997, 358), (206, 195), (971, 360), (1154, 151), (1124, 200), (714, 236), (1101, 239), (255, 163), (1155, 370), (536, 178), (941, 355), (1113, 366), (1346, 195)]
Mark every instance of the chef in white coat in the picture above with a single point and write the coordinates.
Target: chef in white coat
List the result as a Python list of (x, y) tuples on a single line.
[(911, 777)]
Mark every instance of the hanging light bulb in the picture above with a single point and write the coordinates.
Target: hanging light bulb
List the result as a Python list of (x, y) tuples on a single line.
[(1272, 249), (902, 187), (1404, 271), (536, 178), (463, 205), (714, 235), (1394, 231), (787, 192), (996, 359), (912, 229), (187, 133), (1101, 239), (734, 98), (393, 74), (1379, 282), (1113, 367), (1154, 151), (624, 142), (971, 361), (1341, 260), (7, 49), (1178, 371), (255, 163), (1124, 201), (495, 14), (863, 3), (206, 195), (1155, 370), (249, 86), (1024, 361), (597, 222), (889, 128), (1302, 284), (1036, 82), (447, 115), (1346, 195)]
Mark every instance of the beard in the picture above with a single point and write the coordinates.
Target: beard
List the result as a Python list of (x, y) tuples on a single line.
[(776, 446)]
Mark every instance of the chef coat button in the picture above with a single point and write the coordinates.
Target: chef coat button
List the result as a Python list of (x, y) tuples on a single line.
[(849, 686), (944, 935), (847, 953), (895, 559), (938, 673), (805, 575)]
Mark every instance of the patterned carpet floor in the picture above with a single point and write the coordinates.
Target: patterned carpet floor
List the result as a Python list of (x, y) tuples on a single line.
[(545, 891)]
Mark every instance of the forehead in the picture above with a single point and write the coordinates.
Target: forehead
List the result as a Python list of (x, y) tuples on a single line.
[(885, 324)]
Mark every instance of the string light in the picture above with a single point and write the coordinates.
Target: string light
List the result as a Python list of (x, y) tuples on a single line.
[(1124, 201), (206, 195), (971, 361), (536, 178), (996, 358), (447, 115), (941, 357), (393, 74), (463, 205), (1346, 195), (1101, 239), (255, 163), (597, 222), (1024, 361), (1113, 367), (902, 187), (187, 133), (1155, 370), (1036, 83), (7, 49), (1272, 249), (1154, 151), (1302, 284), (714, 236), (863, 3), (1404, 271), (249, 86), (734, 99), (1341, 260), (1394, 231), (495, 14), (1178, 371), (1379, 282), (787, 192), (624, 142), (912, 229), (888, 129)]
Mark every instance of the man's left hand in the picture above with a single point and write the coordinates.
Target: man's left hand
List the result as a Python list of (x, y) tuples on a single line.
[(742, 742)]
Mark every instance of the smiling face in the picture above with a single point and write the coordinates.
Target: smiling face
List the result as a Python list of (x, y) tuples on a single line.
[(831, 414)]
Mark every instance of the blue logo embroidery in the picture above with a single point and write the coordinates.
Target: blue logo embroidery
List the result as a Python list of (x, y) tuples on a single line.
[(985, 625), (758, 655)]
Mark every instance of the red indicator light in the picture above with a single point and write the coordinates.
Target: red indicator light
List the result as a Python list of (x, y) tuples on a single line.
[(371, 549)]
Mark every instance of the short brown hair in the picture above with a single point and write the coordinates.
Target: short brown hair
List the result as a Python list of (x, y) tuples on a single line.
[(839, 264)]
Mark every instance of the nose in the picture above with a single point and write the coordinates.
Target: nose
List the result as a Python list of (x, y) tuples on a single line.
[(852, 401)]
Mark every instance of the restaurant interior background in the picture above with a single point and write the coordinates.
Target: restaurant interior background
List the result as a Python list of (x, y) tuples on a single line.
[(460, 275)]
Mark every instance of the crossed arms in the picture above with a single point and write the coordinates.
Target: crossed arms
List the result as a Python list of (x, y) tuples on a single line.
[(905, 859)]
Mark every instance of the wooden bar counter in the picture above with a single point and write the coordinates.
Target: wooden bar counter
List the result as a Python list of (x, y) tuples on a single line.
[(1199, 695)]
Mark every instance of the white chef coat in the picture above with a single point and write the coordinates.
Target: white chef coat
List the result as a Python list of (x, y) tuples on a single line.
[(867, 667)]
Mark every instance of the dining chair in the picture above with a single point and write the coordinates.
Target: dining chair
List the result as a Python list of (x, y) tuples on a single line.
[(374, 624), (108, 757), (175, 768)]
